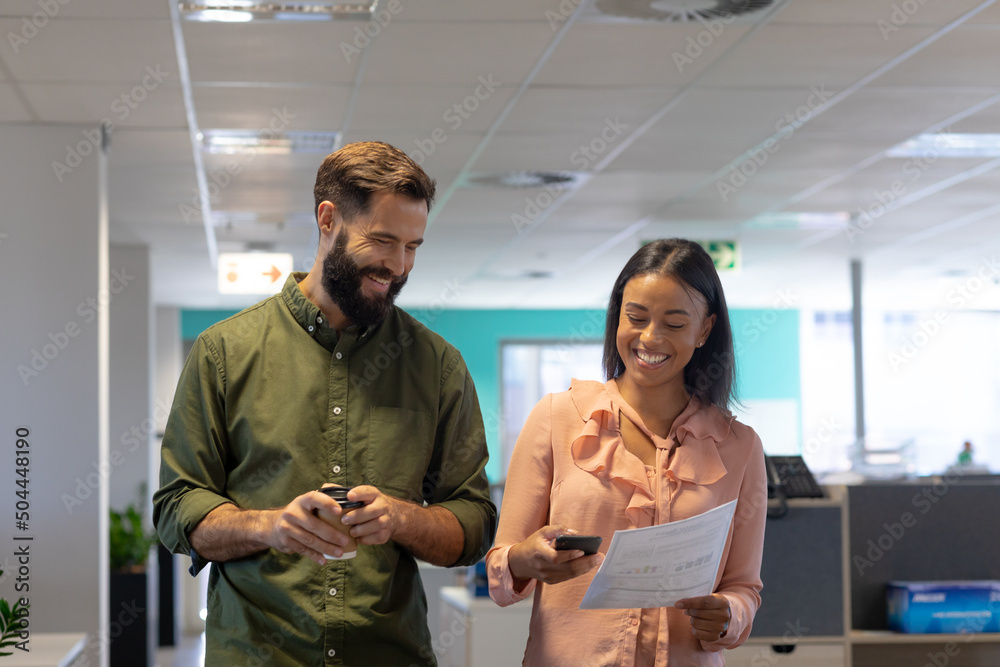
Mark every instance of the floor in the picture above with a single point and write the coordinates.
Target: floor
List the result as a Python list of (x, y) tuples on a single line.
[(190, 652)]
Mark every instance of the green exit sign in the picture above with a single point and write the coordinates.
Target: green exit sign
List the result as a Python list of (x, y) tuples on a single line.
[(725, 254)]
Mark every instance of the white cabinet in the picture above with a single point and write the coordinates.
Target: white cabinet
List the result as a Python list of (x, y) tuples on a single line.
[(754, 654), (475, 632)]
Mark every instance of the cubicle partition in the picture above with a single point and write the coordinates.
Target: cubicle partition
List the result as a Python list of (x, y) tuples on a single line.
[(939, 528)]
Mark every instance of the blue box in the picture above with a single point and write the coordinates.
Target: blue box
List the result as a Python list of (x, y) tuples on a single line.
[(943, 606)]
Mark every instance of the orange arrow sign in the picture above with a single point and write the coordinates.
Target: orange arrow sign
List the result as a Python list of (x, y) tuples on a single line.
[(275, 273)]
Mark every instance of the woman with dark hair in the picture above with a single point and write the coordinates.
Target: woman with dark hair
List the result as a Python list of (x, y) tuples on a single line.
[(655, 443)]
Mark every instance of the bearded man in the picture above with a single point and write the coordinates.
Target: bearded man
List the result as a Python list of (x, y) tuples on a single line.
[(284, 398)]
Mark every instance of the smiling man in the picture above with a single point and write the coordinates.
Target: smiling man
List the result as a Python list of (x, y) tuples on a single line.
[(265, 414)]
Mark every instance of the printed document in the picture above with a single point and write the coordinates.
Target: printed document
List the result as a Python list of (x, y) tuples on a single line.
[(659, 565)]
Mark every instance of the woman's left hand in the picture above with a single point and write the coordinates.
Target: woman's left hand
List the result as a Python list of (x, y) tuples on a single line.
[(709, 616)]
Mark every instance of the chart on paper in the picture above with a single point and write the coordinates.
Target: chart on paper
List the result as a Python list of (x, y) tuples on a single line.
[(656, 566)]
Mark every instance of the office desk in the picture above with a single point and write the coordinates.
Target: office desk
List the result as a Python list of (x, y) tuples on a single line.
[(48, 649)]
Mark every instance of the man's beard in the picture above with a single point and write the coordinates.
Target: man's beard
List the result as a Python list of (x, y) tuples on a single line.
[(342, 279)]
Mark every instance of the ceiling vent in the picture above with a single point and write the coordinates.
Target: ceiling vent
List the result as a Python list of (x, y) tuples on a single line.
[(550, 180), (677, 11)]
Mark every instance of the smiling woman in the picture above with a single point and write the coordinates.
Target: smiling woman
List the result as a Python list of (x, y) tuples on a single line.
[(654, 444)]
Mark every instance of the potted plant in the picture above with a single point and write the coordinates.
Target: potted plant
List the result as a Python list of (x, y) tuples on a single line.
[(129, 623), (10, 623)]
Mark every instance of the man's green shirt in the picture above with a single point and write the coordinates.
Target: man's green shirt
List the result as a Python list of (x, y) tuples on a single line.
[(272, 404)]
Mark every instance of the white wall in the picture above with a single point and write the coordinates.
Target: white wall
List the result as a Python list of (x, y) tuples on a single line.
[(50, 296), (132, 428)]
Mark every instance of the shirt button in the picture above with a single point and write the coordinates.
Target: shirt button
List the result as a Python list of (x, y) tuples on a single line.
[(635, 621), (319, 320), (331, 653), (336, 411), (649, 473), (339, 355), (336, 469), (333, 592), (311, 327)]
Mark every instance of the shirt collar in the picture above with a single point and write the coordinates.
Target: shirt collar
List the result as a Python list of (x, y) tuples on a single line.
[(308, 314)]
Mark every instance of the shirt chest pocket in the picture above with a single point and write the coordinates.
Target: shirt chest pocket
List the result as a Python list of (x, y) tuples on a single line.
[(400, 446)]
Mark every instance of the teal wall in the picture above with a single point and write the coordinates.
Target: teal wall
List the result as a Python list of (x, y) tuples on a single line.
[(767, 348)]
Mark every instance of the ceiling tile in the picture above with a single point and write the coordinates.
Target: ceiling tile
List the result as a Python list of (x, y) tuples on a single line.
[(423, 109), (799, 55), (636, 55), (958, 59), (83, 50), (456, 53), (292, 108), (244, 58), (119, 105), (11, 109), (869, 13)]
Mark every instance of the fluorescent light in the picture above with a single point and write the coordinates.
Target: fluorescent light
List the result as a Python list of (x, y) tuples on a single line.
[(221, 16), (248, 10), (276, 143), (948, 145), (799, 220)]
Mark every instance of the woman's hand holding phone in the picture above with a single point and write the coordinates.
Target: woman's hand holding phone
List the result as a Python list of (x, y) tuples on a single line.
[(537, 558)]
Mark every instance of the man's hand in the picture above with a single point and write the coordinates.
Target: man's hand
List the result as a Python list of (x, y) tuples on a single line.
[(709, 614), (536, 558), (381, 517), (432, 534), (295, 529), (228, 532)]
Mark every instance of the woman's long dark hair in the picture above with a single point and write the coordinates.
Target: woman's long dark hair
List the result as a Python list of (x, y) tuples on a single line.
[(711, 373)]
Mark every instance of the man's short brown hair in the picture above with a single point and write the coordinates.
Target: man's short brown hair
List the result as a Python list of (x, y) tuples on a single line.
[(351, 175)]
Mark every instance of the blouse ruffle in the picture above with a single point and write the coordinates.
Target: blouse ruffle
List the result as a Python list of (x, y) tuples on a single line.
[(696, 432)]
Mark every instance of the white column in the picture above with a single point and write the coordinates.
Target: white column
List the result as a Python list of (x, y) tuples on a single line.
[(51, 300)]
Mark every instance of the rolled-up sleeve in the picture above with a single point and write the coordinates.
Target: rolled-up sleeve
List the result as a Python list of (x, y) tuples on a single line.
[(457, 478), (740, 582), (192, 457), (525, 506)]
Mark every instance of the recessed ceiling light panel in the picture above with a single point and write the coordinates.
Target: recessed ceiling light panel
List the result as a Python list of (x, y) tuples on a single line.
[(248, 10), (277, 143), (949, 145)]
